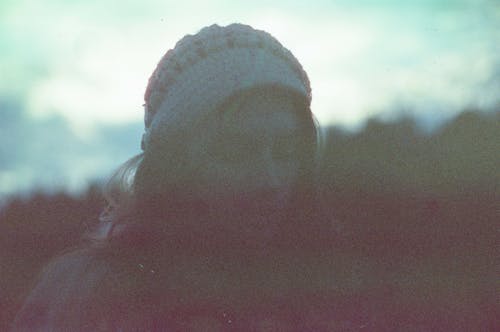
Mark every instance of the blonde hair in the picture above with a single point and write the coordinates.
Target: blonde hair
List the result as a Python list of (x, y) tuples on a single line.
[(119, 189)]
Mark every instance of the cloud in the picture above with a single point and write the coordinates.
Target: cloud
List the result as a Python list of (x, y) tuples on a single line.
[(46, 153)]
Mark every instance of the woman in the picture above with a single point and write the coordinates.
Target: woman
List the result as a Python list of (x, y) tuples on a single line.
[(208, 228)]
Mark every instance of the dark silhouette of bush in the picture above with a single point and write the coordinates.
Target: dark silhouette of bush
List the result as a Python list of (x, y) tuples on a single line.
[(397, 157)]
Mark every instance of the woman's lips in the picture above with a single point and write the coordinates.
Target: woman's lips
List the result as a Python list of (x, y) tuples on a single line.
[(262, 202)]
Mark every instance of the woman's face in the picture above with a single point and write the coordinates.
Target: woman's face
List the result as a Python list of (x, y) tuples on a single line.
[(247, 158)]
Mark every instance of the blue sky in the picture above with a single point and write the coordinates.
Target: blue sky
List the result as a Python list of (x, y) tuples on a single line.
[(73, 73)]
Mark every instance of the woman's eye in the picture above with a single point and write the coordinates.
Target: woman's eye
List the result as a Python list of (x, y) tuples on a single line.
[(234, 151), (285, 151), (287, 148)]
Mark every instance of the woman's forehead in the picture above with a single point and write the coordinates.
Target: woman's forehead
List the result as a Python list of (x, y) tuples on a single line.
[(272, 113)]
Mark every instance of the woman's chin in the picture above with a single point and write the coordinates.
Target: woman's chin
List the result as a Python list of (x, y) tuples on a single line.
[(258, 226)]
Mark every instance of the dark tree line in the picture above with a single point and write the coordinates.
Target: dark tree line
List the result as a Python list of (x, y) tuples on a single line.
[(416, 217), (397, 157)]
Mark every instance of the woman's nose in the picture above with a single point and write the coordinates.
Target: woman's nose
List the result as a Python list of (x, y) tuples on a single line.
[(270, 169)]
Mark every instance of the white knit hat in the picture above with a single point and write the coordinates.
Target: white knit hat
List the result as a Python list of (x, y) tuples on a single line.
[(205, 69)]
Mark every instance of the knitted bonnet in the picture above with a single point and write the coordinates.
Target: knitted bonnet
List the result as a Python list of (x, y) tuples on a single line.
[(204, 69)]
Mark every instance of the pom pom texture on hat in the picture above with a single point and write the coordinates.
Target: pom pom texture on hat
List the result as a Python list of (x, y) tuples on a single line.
[(204, 69)]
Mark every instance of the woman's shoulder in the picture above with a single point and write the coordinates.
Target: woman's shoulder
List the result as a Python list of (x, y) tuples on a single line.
[(79, 290), (53, 291)]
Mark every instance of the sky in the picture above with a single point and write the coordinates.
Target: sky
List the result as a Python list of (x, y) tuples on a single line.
[(73, 73)]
